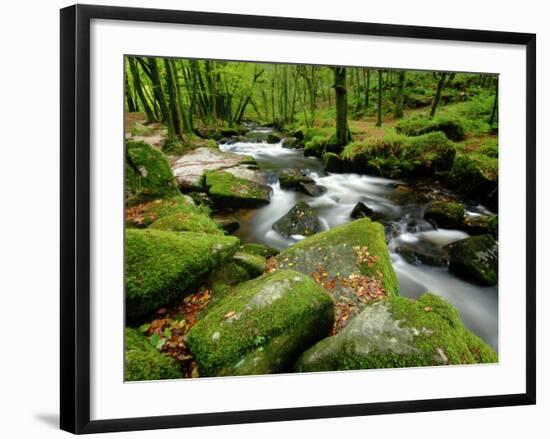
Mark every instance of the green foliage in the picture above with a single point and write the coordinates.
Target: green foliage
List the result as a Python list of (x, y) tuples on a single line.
[(161, 267), (262, 325), (399, 332), (147, 174), (142, 362)]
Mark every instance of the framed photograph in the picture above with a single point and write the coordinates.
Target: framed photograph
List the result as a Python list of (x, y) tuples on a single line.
[(268, 218)]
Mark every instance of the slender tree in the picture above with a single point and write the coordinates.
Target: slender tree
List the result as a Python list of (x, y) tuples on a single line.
[(134, 70), (495, 104), (159, 95), (437, 97), (340, 88), (398, 110), (379, 112)]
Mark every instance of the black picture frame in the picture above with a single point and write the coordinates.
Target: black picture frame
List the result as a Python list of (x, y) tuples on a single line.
[(75, 217)]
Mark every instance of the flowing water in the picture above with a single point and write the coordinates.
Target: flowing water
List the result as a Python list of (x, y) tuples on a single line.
[(404, 223)]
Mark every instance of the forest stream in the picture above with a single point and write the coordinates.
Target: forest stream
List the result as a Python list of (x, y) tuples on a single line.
[(403, 220)]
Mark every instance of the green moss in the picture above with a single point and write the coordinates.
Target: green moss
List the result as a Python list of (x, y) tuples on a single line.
[(147, 174), (147, 213), (261, 326), (452, 127), (338, 252), (142, 130), (258, 249), (398, 156), (399, 332), (161, 266), (446, 214), (187, 222), (474, 175), (253, 264), (229, 191), (143, 362), (475, 258)]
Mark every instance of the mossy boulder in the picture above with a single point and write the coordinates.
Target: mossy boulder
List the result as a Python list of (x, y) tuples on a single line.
[(228, 191), (261, 326), (300, 220), (294, 179), (479, 224), (475, 259), (399, 332), (187, 222), (452, 128), (399, 156), (348, 260), (142, 362), (147, 174), (476, 176), (291, 143), (333, 163), (254, 265), (259, 249), (361, 210), (445, 214), (145, 214), (161, 267), (493, 226)]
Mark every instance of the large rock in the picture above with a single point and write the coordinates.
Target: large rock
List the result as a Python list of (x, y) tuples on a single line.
[(189, 169), (475, 259), (399, 332), (144, 214), (295, 180), (254, 265), (161, 266), (479, 224), (147, 174), (228, 191), (142, 362), (445, 214), (192, 221), (476, 176), (300, 220), (351, 261), (261, 326), (292, 143)]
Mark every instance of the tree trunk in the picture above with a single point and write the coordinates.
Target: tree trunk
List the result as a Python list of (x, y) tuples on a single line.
[(379, 112), (340, 88), (159, 95), (367, 90), (398, 111), (437, 97), (139, 90), (495, 105), (173, 102)]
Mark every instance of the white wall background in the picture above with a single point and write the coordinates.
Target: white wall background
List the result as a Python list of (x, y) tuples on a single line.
[(29, 218)]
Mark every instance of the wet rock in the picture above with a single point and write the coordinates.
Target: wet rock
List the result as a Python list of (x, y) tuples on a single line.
[(261, 136), (361, 210), (294, 179), (399, 332), (445, 214), (476, 224), (254, 265), (229, 191), (228, 224), (300, 220), (291, 143), (259, 249), (261, 326), (474, 259), (423, 253), (201, 199), (190, 168)]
